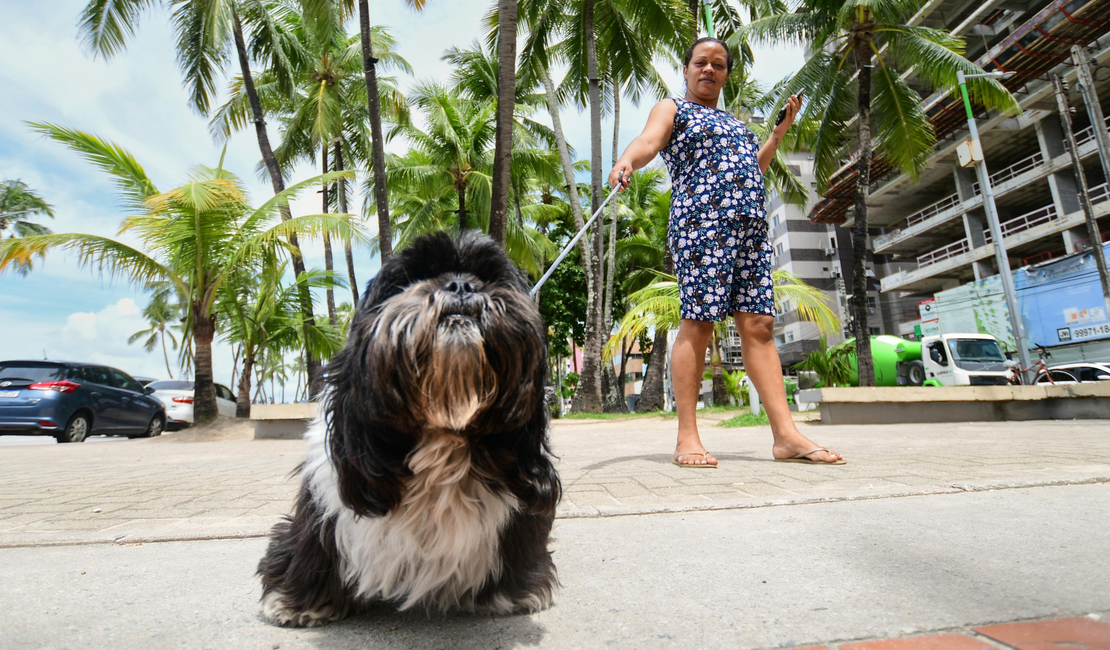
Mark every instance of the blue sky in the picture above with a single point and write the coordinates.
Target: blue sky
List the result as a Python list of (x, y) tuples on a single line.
[(136, 99)]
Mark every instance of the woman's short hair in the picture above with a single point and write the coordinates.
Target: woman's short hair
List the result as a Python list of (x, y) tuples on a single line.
[(709, 39)]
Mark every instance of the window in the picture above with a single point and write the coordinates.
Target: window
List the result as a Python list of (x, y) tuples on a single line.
[(98, 375), (1093, 374), (871, 303), (121, 380), (779, 249), (32, 372), (875, 331), (832, 242), (224, 392), (789, 337), (795, 169), (786, 306)]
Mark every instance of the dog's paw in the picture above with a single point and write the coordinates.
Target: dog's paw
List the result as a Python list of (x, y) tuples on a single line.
[(503, 604), (277, 611)]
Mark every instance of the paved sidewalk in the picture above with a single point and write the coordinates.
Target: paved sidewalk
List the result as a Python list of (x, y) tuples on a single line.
[(157, 490), (821, 574)]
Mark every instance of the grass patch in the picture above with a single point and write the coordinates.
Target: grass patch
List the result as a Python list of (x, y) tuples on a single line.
[(746, 420)]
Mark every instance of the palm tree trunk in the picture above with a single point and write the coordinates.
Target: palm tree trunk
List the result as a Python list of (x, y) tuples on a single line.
[(519, 212), (329, 263), (614, 396), (385, 235), (462, 208), (204, 391), (166, 354), (347, 253), (859, 228), (315, 372), (585, 256), (720, 387), (568, 172), (506, 104), (623, 374), (695, 6), (243, 397), (588, 398), (651, 391)]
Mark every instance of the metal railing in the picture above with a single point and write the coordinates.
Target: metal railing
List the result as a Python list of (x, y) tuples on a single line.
[(1025, 222), (939, 255), (1099, 193), (1084, 136), (1014, 170), (932, 210)]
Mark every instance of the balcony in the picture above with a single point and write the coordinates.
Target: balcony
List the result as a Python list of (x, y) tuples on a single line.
[(936, 265), (1018, 174)]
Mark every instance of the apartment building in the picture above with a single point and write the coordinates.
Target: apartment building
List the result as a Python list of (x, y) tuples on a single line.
[(932, 233), (821, 255)]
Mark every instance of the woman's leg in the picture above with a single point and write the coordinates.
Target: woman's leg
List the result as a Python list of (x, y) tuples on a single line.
[(687, 365), (761, 361)]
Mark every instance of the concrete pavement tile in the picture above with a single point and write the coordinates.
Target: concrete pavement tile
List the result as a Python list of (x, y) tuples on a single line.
[(932, 642), (594, 499), (652, 481), (625, 490), (1077, 633)]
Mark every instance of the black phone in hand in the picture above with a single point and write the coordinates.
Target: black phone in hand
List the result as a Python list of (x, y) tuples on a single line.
[(782, 113)]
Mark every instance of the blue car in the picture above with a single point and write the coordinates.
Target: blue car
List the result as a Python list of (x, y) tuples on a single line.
[(72, 401)]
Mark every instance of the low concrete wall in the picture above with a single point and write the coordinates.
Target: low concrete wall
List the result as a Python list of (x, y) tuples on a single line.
[(282, 420), (910, 404)]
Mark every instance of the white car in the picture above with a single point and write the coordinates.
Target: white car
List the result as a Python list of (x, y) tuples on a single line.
[(177, 395), (1075, 373)]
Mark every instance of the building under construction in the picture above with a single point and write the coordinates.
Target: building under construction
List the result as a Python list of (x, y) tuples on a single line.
[(931, 234)]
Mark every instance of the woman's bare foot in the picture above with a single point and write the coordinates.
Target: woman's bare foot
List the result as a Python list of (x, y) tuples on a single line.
[(790, 443), (690, 451)]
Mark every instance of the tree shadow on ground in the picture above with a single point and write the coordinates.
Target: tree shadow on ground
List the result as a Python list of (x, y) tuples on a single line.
[(384, 626), (665, 459)]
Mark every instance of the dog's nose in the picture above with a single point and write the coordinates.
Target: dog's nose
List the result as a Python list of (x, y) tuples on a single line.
[(459, 286)]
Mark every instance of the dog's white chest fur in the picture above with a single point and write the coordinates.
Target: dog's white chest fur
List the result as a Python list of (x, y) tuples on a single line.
[(438, 548)]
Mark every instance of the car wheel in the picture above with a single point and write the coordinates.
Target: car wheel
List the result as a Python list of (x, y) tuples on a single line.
[(77, 429), (154, 429)]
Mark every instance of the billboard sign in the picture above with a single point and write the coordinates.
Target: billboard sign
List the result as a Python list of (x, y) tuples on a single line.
[(1061, 302)]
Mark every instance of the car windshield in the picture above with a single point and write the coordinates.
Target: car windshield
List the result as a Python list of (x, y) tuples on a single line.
[(171, 385), (977, 354), (32, 372)]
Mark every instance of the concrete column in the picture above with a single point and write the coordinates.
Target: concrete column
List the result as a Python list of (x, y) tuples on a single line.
[(1072, 239), (1062, 185), (965, 178)]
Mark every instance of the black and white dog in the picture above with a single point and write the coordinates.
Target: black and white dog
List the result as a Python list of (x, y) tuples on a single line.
[(429, 480)]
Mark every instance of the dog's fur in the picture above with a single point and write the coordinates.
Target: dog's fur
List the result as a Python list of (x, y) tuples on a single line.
[(429, 479)]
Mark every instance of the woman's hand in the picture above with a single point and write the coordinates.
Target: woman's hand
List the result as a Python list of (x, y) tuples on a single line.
[(616, 177), (792, 106)]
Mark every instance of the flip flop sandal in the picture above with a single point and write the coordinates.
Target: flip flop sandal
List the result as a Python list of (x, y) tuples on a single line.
[(802, 458), (703, 454)]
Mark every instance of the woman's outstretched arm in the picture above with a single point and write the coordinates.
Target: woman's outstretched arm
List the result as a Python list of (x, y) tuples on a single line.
[(767, 151), (655, 136)]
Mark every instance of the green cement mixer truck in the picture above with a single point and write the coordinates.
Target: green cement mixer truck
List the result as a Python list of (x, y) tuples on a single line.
[(941, 360)]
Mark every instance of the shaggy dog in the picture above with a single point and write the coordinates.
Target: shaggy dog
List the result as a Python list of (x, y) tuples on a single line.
[(429, 479)]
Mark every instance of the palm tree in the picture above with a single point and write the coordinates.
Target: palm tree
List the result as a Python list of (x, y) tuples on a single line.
[(194, 237), (584, 25), (208, 31), (450, 163), (18, 205), (864, 54), (325, 117), (164, 317), (263, 317)]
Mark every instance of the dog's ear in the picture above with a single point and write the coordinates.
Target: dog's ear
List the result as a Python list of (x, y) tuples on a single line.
[(522, 459), (368, 455)]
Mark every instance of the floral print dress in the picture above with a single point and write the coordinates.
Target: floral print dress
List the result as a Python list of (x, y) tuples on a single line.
[(718, 226)]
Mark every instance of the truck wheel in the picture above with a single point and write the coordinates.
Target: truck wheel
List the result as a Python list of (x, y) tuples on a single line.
[(916, 373)]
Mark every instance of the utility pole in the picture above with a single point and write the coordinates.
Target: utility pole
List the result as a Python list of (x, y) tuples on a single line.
[(1081, 179), (1094, 109), (1002, 259)]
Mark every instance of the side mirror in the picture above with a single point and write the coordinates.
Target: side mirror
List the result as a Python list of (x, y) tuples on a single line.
[(147, 390), (1104, 378)]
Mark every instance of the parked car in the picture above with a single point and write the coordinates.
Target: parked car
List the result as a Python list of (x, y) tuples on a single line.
[(72, 401), (177, 396), (144, 380), (1075, 373)]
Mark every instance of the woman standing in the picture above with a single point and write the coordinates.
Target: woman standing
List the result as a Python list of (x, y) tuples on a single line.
[(718, 238)]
